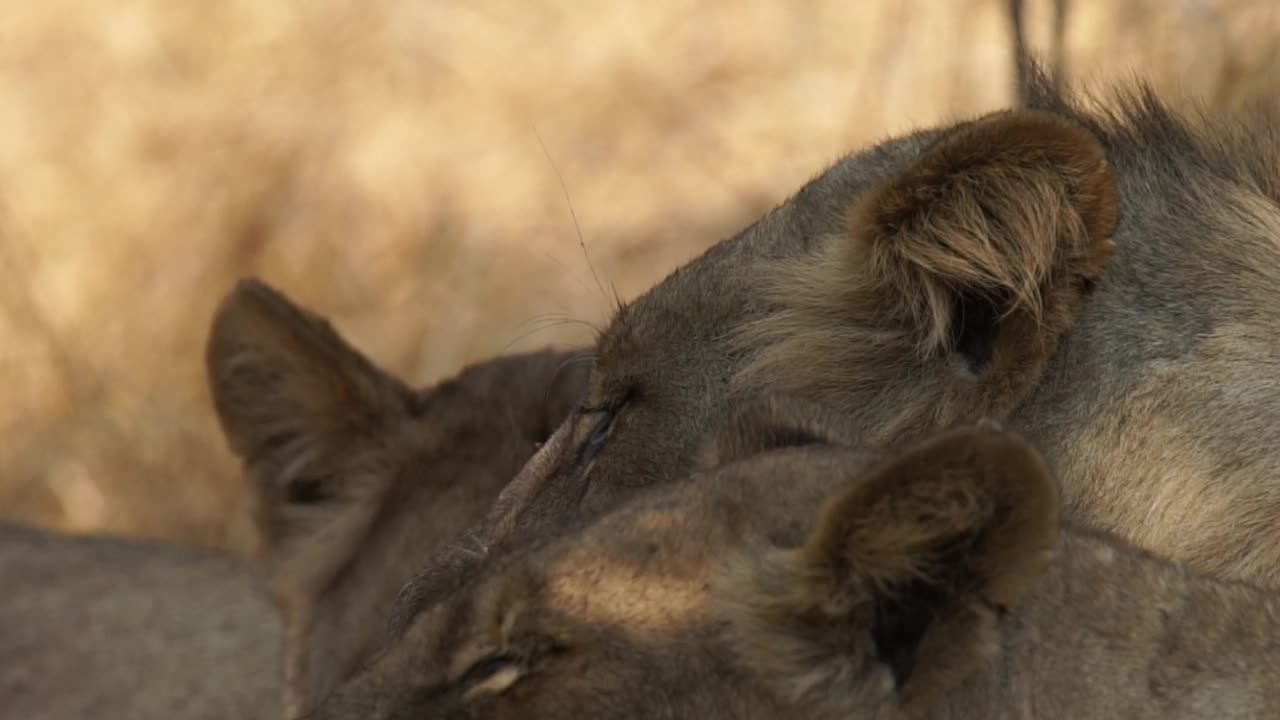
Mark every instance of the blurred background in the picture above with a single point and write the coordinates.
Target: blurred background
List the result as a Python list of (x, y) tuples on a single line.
[(382, 162)]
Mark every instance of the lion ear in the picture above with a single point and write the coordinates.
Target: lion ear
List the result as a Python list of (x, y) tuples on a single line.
[(897, 592), (297, 403), (977, 256), (1007, 217)]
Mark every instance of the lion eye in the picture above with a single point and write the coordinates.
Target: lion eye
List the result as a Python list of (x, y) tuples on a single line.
[(308, 490), (600, 431), (492, 675), (599, 434)]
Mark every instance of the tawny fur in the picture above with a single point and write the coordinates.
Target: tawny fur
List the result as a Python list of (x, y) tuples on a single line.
[(126, 629), (1015, 209), (819, 581), (1017, 205), (972, 510), (355, 478), (1106, 283), (1100, 275)]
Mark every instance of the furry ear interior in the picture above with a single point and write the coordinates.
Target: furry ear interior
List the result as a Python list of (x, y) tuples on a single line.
[(977, 257), (896, 594), (294, 400), (1011, 214)]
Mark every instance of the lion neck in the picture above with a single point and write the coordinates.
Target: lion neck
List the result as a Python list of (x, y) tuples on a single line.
[(1113, 631)]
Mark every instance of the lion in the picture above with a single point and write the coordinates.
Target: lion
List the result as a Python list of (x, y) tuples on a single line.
[(1101, 277), (355, 478), (804, 578), (119, 628)]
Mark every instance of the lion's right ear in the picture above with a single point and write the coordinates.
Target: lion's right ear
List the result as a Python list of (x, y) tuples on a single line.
[(980, 253), (295, 401), (896, 594), (1011, 214)]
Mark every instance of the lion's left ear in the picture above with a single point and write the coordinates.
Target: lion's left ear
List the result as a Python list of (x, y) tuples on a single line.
[(896, 594)]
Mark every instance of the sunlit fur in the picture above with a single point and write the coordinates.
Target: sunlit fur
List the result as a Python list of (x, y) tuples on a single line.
[(814, 580)]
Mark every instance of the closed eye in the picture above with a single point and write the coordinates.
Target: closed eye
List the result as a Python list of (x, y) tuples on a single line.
[(606, 413), (486, 668), (492, 675), (598, 435)]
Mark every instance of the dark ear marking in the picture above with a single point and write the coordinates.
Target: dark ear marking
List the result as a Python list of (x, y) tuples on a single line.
[(904, 613), (974, 333), (778, 438), (308, 490)]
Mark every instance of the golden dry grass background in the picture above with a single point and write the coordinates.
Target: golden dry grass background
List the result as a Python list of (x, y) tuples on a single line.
[(379, 160)]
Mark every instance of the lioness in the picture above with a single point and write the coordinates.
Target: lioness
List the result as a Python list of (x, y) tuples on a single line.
[(934, 583), (1106, 282), (355, 477), (120, 629)]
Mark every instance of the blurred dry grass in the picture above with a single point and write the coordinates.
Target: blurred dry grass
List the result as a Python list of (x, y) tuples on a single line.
[(379, 160)]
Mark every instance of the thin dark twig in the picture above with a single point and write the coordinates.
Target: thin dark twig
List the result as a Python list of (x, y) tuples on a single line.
[(1016, 29), (1061, 9)]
